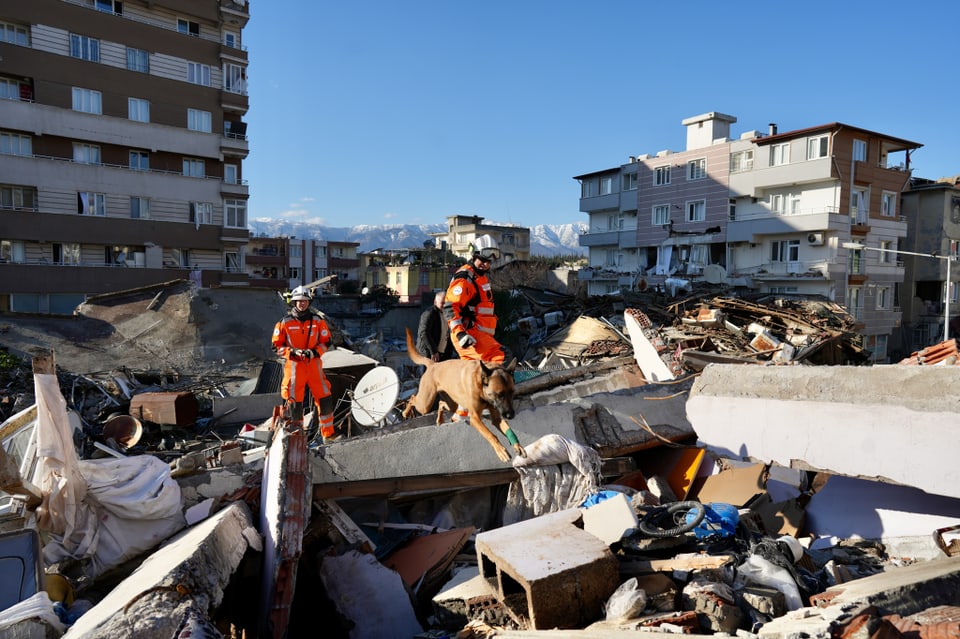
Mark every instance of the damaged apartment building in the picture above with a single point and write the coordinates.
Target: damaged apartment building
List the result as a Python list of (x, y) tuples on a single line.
[(123, 139), (825, 211)]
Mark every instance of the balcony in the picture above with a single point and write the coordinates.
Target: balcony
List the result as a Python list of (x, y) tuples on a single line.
[(790, 271)]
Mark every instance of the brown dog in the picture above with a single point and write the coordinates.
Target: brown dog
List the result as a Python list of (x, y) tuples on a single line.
[(472, 384)]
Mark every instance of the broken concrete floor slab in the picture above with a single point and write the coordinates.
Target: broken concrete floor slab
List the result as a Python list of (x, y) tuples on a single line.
[(835, 419), (184, 580)]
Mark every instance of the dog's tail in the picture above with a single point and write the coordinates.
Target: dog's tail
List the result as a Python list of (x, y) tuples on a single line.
[(414, 353)]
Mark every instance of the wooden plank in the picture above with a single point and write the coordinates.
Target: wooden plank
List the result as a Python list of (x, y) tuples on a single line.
[(686, 563), (345, 526), (422, 483)]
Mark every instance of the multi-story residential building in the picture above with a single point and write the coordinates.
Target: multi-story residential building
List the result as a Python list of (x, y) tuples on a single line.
[(465, 231), (412, 274), (266, 262), (767, 211), (121, 147), (932, 210), (287, 262)]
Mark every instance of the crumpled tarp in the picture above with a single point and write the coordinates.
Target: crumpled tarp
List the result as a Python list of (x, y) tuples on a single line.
[(100, 511), (557, 474)]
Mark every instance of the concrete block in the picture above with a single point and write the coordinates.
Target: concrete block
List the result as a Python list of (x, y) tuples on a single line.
[(466, 597), (610, 519), (548, 571)]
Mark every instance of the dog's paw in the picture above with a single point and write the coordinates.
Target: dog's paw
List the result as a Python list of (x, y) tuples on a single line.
[(519, 450), (503, 454)]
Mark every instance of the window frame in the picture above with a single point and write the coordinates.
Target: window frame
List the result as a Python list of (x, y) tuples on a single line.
[(693, 207), (7, 28), (697, 169), (629, 181), (231, 173), (138, 60), (84, 47), (818, 147), (199, 120), (194, 167), (235, 214), (859, 149), (86, 153), (16, 144), (200, 213), (188, 27), (142, 162), (199, 73), (86, 101), (234, 78), (784, 251), (657, 210), (888, 200), (94, 205), (139, 208), (138, 107), (780, 154), (661, 175), (606, 185), (741, 161)]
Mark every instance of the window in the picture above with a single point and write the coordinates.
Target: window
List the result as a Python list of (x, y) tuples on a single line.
[(320, 251), (188, 26), (776, 202), (198, 120), (856, 264), (14, 34), (201, 213), (884, 296), (732, 209), (296, 250), (234, 79), (86, 153), (854, 301), (880, 348), (139, 208), (780, 154), (614, 222), (588, 188), (193, 168), (235, 213), (231, 39), (606, 185), (859, 206), (817, 147), (110, 6), (66, 253), (741, 161), (138, 109), (230, 174), (860, 150), (180, 258), (12, 251), (89, 203), (661, 175), (661, 214), (319, 273), (888, 204), (885, 256), (697, 169), (138, 60), (697, 211), (84, 47), (15, 144), (629, 182), (139, 160), (198, 73), (785, 251), (9, 89), (231, 262), (295, 272), (87, 101), (18, 197)]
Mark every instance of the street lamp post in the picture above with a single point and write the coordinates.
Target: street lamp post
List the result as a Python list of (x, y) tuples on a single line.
[(948, 258)]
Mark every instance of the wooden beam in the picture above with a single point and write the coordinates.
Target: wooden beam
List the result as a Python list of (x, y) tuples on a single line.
[(43, 363), (421, 483)]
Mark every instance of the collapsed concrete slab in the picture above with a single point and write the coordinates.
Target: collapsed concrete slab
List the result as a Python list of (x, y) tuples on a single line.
[(842, 420), (603, 412), (178, 585)]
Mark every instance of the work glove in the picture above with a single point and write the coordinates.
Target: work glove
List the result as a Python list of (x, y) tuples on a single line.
[(301, 354), (466, 340)]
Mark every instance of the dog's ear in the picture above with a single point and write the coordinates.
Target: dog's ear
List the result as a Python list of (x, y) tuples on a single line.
[(512, 365), (485, 371)]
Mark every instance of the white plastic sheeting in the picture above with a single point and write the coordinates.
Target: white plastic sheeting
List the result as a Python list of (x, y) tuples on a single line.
[(102, 511)]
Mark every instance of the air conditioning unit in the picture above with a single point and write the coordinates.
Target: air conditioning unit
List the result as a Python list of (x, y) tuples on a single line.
[(815, 239)]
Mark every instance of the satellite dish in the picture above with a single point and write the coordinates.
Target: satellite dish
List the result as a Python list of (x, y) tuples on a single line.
[(375, 395)]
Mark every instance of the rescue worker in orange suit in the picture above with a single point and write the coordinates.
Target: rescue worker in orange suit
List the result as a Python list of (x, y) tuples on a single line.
[(301, 338), (468, 310)]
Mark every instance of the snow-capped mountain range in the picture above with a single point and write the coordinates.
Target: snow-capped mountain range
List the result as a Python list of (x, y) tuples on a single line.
[(545, 239)]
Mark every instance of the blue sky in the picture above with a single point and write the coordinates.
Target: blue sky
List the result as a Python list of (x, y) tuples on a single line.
[(390, 112)]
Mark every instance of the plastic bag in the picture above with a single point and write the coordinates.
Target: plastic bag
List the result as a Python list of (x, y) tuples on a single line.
[(626, 602)]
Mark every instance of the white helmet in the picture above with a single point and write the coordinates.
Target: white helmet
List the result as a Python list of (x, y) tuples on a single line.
[(300, 293)]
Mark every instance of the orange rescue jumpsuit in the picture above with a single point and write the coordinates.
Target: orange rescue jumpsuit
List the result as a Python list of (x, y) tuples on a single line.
[(312, 334), (468, 306)]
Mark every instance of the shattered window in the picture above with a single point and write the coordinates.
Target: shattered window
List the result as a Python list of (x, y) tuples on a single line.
[(21, 445)]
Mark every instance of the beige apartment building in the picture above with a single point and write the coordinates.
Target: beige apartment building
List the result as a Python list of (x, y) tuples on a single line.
[(122, 140)]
